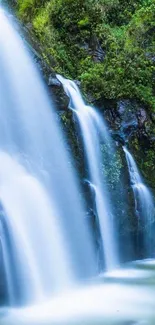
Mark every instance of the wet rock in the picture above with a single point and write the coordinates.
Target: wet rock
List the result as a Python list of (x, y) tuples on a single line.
[(132, 124), (53, 81), (60, 99), (142, 116), (127, 117), (123, 119), (77, 82)]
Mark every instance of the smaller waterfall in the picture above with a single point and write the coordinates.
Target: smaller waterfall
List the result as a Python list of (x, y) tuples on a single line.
[(94, 135), (144, 202)]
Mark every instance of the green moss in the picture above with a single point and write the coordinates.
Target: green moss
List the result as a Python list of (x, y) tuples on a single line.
[(125, 30), (144, 154)]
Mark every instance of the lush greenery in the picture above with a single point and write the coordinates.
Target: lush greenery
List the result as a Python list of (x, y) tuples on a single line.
[(109, 45), (73, 32)]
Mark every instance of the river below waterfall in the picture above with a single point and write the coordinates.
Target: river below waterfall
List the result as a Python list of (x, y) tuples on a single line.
[(125, 297)]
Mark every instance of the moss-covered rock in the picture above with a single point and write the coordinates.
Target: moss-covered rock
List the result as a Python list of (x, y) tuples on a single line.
[(108, 45)]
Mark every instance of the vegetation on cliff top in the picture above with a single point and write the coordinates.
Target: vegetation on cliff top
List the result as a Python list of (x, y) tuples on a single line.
[(107, 44)]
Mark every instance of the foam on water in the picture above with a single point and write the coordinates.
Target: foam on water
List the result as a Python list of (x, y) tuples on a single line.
[(103, 303)]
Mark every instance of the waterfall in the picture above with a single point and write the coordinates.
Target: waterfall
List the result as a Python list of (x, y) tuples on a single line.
[(94, 133), (144, 202), (44, 215), (18, 191)]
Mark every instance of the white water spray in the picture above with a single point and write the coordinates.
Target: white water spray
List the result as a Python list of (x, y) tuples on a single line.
[(144, 203), (94, 132), (39, 191), (31, 219)]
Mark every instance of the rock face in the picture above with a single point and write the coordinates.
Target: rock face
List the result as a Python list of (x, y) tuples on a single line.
[(131, 123), (94, 49)]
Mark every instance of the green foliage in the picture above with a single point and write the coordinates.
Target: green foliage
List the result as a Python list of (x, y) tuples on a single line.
[(145, 157), (27, 8), (66, 30)]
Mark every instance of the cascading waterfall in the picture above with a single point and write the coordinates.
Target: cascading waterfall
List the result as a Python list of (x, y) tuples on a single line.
[(18, 191), (144, 202), (39, 193), (45, 242), (94, 133)]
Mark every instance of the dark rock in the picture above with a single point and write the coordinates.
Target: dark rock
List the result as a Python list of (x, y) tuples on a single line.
[(85, 46), (127, 117), (142, 116), (122, 118), (61, 100), (77, 82), (126, 111), (153, 117), (53, 81), (150, 57), (121, 107), (94, 49)]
